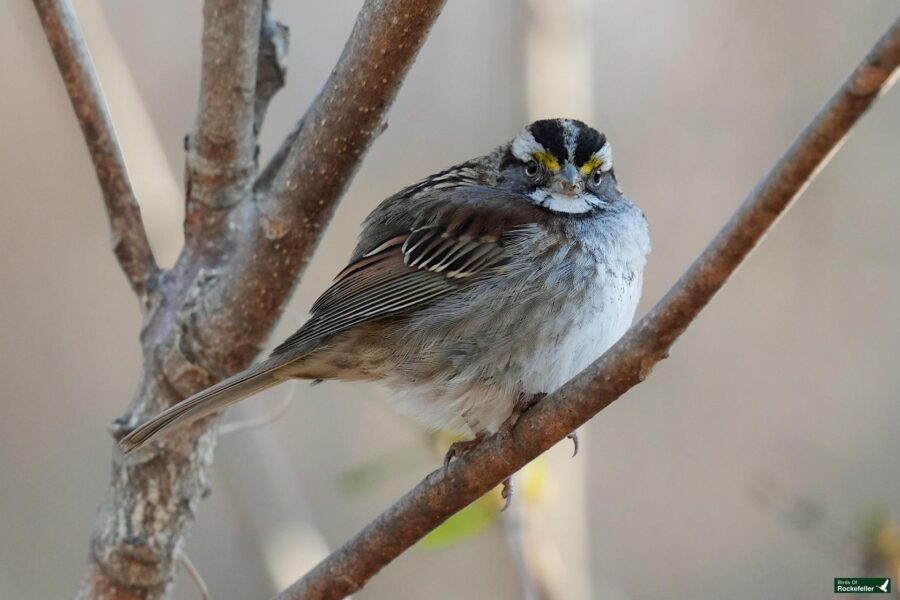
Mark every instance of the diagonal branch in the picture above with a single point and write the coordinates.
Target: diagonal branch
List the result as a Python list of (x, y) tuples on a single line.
[(625, 365), (129, 239), (385, 35)]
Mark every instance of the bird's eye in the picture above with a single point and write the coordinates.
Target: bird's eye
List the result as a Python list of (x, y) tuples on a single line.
[(597, 176), (531, 168)]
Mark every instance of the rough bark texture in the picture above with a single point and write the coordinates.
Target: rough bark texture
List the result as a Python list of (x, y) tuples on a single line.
[(625, 365), (221, 149), (211, 313), (129, 240)]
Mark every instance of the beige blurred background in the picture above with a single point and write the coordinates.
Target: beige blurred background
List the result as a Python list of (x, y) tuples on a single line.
[(741, 469)]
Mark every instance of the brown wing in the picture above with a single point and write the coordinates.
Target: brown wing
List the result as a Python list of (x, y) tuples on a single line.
[(460, 242)]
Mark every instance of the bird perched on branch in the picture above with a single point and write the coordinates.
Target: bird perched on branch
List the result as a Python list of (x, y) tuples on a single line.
[(471, 292)]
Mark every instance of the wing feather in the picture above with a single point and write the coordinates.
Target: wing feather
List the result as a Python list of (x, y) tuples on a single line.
[(385, 305), (462, 241)]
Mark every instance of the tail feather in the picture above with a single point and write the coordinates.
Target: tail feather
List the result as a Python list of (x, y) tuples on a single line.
[(207, 402)]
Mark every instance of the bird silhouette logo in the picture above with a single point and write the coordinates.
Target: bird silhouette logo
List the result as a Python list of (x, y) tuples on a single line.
[(886, 586)]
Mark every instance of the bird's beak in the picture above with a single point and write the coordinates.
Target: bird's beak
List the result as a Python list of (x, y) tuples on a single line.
[(568, 181)]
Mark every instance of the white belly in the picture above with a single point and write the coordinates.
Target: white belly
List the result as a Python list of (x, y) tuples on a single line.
[(581, 333), (550, 348)]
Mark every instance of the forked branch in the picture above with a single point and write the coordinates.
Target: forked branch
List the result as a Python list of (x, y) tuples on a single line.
[(310, 173), (242, 257), (129, 239), (625, 365)]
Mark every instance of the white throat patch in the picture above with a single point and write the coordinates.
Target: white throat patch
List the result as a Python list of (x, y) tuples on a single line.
[(573, 205)]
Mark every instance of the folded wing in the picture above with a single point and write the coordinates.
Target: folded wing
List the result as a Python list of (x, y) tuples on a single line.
[(464, 238)]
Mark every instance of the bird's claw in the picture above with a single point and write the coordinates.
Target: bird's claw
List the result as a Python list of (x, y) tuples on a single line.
[(459, 448), (574, 437)]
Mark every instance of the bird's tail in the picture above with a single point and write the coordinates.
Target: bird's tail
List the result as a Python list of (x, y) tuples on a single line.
[(211, 400)]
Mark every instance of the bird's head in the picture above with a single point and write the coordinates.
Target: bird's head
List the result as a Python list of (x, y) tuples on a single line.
[(561, 165)]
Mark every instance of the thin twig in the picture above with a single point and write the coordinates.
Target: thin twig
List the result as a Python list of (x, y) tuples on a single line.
[(195, 575), (514, 524), (626, 364), (267, 418), (129, 239)]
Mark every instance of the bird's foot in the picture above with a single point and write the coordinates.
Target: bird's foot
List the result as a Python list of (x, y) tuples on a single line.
[(523, 403), (457, 449)]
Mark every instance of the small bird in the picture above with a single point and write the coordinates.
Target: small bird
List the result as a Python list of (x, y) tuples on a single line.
[(472, 292)]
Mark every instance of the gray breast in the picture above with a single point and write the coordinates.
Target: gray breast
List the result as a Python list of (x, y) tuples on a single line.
[(570, 288), (568, 293)]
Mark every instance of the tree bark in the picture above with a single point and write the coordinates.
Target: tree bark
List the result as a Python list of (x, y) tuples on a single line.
[(211, 313)]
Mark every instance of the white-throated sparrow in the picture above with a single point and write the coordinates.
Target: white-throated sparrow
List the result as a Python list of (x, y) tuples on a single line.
[(492, 281)]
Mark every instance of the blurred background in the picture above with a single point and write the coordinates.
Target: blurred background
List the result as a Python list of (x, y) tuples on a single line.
[(759, 461)]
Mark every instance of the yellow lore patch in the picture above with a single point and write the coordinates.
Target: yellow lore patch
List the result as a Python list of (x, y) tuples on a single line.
[(547, 160), (594, 162)]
